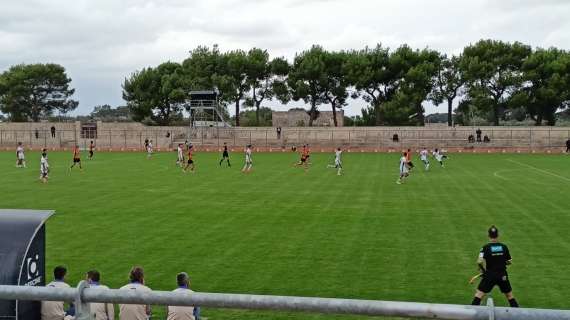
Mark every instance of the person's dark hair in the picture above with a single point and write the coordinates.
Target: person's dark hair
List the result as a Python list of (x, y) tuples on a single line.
[(137, 274), (93, 275), (493, 232), (59, 272), (182, 279)]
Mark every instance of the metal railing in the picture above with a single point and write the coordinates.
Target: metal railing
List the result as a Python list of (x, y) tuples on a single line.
[(372, 138), (83, 295)]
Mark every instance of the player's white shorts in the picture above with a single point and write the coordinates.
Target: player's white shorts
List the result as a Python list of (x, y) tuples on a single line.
[(404, 170), (337, 164), (439, 158), (21, 156)]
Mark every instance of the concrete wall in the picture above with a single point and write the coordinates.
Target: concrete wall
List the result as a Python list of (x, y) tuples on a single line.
[(300, 118), (131, 136)]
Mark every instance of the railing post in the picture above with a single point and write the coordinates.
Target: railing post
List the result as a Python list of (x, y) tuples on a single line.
[(82, 309), (110, 140), (266, 142), (491, 306), (125, 144)]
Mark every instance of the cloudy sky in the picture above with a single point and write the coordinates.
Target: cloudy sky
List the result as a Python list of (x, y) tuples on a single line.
[(100, 42)]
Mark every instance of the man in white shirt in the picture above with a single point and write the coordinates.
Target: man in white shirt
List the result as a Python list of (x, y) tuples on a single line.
[(20, 157), (248, 160), (424, 158), (44, 167), (183, 313), (99, 311), (403, 168), (53, 310), (149, 149), (439, 156), (337, 161), (135, 311), (180, 159)]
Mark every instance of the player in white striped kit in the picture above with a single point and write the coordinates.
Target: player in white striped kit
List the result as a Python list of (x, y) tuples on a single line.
[(403, 168), (337, 161), (248, 160), (180, 159), (44, 167), (20, 157), (424, 158)]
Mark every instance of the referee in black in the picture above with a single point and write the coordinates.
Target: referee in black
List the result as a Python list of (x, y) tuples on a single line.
[(493, 260)]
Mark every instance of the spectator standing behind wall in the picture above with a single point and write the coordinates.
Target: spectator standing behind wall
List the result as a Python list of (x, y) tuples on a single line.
[(37, 134), (478, 133), (52, 129), (183, 313), (135, 311), (568, 146), (278, 133)]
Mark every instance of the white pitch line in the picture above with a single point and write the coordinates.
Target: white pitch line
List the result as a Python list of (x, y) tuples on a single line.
[(539, 170)]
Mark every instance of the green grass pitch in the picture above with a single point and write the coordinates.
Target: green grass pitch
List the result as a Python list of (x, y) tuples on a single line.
[(282, 231)]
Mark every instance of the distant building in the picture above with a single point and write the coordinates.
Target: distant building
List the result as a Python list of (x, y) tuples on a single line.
[(300, 118)]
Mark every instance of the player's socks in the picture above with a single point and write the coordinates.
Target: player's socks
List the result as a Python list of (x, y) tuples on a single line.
[(476, 301), (513, 303)]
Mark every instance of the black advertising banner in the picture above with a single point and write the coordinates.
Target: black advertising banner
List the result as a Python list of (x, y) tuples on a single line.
[(22, 258)]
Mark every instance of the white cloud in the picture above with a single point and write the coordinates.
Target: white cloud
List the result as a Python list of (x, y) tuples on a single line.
[(101, 42)]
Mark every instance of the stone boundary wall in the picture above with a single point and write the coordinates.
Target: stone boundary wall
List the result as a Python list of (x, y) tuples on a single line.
[(131, 136)]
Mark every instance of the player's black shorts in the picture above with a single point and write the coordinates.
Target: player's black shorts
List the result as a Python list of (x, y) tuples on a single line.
[(303, 159), (225, 155), (91, 153), (489, 281), (76, 160), (190, 161)]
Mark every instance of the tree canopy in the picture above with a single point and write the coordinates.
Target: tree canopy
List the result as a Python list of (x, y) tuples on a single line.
[(35, 91)]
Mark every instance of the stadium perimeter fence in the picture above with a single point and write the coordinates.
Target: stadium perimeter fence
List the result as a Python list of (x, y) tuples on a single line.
[(365, 138), (83, 295)]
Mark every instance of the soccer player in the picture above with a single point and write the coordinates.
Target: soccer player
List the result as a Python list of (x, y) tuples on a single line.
[(183, 313), (91, 150), (76, 158), (54, 310), (180, 159), (44, 167), (99, 311), (409, 160), (304, 157), (404, 172), (493, 260), (337, 161), (424, 158), (439, 157), (225, 156), (20, 157), (190, 163), (149, 149), (135, 311), (248, 160)]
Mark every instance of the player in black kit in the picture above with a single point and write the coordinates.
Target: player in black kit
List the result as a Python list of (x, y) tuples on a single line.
[(225, 155), (493, 260)]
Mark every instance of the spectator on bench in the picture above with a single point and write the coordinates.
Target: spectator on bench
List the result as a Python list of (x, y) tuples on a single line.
[(183, 313), (99, 311), (54, 310), (486, 139), (395, 138), (471, 138), (135, 311)]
